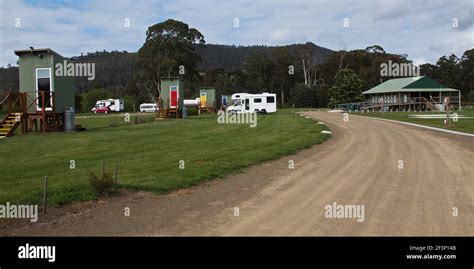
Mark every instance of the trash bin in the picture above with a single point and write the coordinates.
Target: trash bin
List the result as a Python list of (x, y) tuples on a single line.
[(69, 124), (185, 112)]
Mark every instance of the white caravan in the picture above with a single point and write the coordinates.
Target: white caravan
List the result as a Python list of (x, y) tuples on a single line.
[(148, 107), (115, 105), (260, 103)]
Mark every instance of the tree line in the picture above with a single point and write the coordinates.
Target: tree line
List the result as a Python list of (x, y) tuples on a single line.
[(302, 75)]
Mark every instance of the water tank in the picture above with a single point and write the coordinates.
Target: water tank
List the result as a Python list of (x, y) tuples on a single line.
[(69, 124), (192, 102)]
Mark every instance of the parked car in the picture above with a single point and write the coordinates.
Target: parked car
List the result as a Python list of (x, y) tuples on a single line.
[(102, 109)]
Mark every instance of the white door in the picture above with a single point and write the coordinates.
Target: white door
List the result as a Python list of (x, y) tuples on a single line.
[(43, 84)]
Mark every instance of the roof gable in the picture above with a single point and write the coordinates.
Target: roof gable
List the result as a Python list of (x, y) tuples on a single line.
[(423, 83), (392, 85), (410, 84)]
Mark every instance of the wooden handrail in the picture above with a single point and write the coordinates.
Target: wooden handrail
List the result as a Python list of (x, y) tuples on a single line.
[(4, 99), (43, 103)]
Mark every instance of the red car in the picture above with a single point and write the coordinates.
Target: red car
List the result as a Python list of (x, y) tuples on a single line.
[(102, 109)]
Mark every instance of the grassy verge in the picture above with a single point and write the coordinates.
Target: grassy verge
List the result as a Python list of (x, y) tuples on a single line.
[(147, 154), (462, 125)]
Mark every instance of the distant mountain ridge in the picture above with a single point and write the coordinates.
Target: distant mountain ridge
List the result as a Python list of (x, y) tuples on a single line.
[(231, 58)]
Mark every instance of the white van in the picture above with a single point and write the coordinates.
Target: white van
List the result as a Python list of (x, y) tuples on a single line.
[(148, 107), (260, 103)]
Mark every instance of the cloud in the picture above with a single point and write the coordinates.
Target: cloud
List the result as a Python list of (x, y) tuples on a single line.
[(412, 27)]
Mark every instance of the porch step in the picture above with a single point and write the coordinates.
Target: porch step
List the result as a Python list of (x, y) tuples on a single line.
[(161, 114), (10, 123)]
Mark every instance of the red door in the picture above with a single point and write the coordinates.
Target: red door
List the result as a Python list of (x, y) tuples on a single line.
[(173, 97)]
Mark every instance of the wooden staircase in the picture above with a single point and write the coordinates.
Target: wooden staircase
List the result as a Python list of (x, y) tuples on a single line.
[(9, 124), (161, 114), (429, 104)]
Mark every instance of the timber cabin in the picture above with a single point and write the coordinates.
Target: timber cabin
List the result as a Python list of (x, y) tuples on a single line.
[(408, 94), (42, 98)]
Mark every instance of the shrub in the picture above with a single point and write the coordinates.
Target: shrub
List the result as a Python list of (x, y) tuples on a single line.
[(192, 111), (102, 185), (470, 96), (139, 120)]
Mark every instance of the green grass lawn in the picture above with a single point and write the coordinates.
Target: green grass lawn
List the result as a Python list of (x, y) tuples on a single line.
[(147, 154), (463, 125)]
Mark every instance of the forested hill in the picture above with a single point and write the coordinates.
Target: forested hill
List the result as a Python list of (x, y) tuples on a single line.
[(114, 69), (231, 58)]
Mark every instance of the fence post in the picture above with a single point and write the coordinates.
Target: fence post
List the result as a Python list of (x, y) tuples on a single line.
[(45, 191), (116, 172), (103, 168)]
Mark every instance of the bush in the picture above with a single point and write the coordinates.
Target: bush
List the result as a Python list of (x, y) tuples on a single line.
[(347, 88), (78, 102), (102, 185), (130, 104), (304, 96), (92, 96), (139, 120), (470, 96), (192, 111)]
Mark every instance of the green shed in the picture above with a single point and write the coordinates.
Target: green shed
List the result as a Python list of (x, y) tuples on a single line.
[(207, 97), (171, 99), (172, 93), (37, 70), (45, 95)]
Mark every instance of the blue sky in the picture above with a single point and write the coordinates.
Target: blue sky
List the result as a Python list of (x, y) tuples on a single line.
[(422, 29)]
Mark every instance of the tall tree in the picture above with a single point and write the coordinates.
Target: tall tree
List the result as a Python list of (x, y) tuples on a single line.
[(309, 60), (257, 71), (283, 72), (448, 71), (168, 51), (467, 66), (346, 89)]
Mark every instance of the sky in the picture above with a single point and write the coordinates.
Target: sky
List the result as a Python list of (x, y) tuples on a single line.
[(424, 30)]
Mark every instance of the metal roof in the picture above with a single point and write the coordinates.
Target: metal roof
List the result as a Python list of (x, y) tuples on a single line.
[(36, 51), (411, 84)]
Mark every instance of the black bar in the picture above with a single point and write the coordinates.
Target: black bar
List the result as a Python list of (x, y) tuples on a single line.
[(240, 250)]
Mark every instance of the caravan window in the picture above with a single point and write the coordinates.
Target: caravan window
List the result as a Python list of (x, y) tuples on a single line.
[(257, 100), (270, 99), (237, 103)]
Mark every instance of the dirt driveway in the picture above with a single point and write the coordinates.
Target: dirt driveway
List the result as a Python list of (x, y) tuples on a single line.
[(360, 165)]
